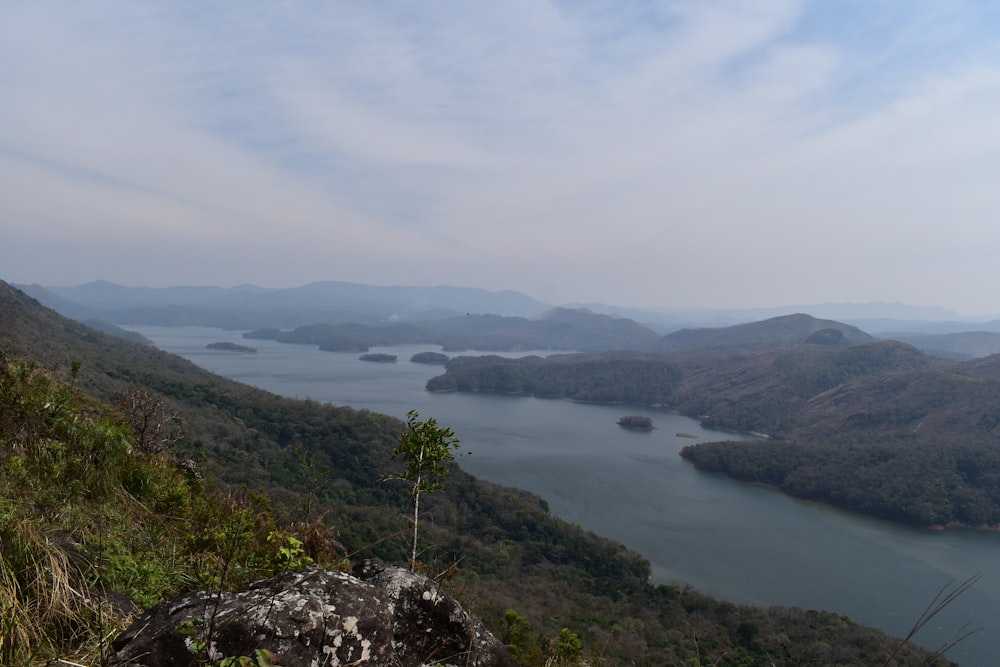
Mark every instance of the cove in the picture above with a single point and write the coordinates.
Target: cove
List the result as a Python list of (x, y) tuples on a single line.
[(743, 543)]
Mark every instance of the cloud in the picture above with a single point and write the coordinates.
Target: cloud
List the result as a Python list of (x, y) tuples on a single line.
[(712, 152)]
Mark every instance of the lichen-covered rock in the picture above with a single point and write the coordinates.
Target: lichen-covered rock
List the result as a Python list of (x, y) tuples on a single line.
[(382, 616)]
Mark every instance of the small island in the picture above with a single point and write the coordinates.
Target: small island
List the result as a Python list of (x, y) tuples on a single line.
[(636, 423), (232, 347), (379, 357), (430, 358)]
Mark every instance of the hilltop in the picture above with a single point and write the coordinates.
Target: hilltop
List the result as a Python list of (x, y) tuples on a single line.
[(791, 329)]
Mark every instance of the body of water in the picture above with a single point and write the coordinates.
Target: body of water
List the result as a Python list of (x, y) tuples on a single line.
[(739, 542)]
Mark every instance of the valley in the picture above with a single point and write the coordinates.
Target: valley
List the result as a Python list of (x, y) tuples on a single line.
[(596, 478), (743, 543)]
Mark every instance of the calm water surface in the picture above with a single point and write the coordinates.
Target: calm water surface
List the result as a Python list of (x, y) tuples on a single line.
[(739, 542)]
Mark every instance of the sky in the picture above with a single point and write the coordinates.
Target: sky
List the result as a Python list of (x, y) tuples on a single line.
[(683, 153)]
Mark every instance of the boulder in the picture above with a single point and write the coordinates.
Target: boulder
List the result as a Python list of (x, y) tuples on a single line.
[(377, 616)]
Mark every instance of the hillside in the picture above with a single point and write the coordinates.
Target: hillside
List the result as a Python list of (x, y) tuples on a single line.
[(791, 329), (559, 329), (768, 391), (101, 519), (878, 427), (915, 444), (607, 377), (320, 466), (763, 390)]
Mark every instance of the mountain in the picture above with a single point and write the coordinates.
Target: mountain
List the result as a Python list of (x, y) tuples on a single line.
[(786, 329), (106, 296), (602, 332), (251, 307), (964, 345), (878, 427), (763, 389), (65, 307), (534, 578), (560, 329), (851, 312)]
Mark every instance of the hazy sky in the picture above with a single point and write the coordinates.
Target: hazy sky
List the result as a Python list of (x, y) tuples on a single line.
[(675, 153)]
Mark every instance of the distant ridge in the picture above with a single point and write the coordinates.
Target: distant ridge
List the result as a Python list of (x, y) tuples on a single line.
[(787, 329), (250, 307), (963, 345)]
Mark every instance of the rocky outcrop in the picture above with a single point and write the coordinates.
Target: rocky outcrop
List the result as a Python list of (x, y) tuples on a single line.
[(377, 616)]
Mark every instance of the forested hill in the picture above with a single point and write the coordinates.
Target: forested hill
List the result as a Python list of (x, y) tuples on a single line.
[(920, 446), (790, 329), (323, 463), (559, 329), (880, 427), (764, 390)]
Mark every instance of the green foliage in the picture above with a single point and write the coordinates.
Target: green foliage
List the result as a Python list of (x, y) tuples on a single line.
[(87, 516), (290, 553), (517, 635), (567, 647), (426, 448), (201, 647), (922, 484), (260, 658)]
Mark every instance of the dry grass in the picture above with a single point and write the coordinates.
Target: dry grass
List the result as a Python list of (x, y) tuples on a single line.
[(48, 611), (40, 601)]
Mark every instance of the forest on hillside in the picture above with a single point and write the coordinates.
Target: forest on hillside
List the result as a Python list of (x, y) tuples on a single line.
[(559, 329), (312, 473), (879, 428)]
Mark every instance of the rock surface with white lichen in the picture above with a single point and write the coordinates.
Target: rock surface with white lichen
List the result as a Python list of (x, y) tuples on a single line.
[(376, 616)]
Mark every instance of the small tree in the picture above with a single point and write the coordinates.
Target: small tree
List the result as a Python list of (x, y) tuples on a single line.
[(566, 648), (426, 448)]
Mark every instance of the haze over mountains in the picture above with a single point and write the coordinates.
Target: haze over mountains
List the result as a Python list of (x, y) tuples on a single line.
[(515, 320), (249, 306)]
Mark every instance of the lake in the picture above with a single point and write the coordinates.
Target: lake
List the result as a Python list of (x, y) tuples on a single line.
[(739, 542)]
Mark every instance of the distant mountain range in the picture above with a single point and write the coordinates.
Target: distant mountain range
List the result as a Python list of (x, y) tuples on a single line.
[(471, 318), (249, 306)]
